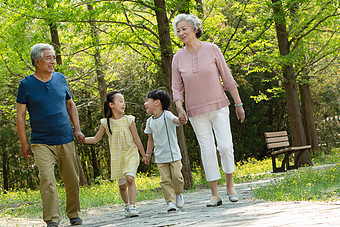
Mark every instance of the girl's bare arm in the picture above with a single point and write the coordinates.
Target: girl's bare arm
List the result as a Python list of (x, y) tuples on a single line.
[(97, 137), (137, 140)]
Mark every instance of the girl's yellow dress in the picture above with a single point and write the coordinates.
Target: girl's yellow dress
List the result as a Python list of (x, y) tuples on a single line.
[(123, 150)]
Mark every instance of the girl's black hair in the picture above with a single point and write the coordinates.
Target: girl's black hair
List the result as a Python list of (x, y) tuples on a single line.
[(162, 96), (110, 97)]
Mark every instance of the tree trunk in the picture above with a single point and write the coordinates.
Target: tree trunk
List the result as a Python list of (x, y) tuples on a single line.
[(54, 35), (306, 97), (99, 66), (82, 177), (94, 159), (100, 75), (166, 62), (5, 169), (296, 125), (307, 111)]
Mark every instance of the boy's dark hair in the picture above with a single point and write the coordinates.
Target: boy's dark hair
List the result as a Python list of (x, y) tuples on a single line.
[(162, 96), (110, 97)]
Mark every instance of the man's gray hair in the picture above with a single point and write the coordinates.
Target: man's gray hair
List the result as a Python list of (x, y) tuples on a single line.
[(192, 20), (36, 51)]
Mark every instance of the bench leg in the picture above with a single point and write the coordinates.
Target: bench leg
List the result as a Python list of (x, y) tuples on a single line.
[(278, 169), (296, 161), (289, 167)]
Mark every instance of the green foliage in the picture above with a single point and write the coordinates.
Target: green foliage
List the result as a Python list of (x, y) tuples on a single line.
[(15, 171)]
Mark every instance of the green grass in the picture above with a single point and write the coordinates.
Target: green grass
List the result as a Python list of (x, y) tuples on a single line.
[(305, 184), (318, 184)]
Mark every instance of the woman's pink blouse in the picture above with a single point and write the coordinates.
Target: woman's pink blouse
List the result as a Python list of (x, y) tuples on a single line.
[(202, 77)]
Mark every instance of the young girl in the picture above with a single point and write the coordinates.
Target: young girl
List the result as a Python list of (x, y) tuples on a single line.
[(161, 128), (124, 144)]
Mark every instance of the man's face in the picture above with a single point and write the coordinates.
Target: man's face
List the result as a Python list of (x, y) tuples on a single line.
[(47, 62)]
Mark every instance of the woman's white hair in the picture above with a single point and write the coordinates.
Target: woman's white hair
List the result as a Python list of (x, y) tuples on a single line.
[(192, 20), (36, 51)]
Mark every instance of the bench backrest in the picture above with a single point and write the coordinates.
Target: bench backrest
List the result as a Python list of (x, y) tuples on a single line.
[(276, 139)]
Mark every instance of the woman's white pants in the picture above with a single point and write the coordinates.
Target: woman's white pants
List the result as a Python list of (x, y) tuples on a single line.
[(206, 126)]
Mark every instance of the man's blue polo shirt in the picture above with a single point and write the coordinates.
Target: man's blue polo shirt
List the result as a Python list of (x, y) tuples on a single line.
[(46, 105)]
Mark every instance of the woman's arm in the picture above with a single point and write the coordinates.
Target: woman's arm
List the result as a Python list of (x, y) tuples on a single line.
[(240, 113), (179, 121), (182, 115), (137, 140), (97, 137)]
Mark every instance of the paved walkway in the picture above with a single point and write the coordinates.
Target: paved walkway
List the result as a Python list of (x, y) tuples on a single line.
[(246, 212)]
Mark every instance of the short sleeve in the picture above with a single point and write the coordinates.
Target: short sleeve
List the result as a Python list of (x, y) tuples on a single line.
[(148, 129), (21, 95), (170, 118), (103, 122), (130, 119), (68, 92)]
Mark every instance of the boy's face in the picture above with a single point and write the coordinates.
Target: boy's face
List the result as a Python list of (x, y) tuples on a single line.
[(151, 105)]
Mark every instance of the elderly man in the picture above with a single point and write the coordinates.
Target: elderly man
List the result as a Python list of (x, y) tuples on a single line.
[(46, 96)]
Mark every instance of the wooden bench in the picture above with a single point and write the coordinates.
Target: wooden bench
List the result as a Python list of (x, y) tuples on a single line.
[(278, 143)]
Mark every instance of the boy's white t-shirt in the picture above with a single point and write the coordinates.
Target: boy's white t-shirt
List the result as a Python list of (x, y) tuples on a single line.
[(163, 131)]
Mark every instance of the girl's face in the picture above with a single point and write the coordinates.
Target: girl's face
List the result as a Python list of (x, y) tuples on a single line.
[(118, 104), (185, 32), (150, 105)]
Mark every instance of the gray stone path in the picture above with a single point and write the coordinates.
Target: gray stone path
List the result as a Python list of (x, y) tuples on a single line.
[(246, 212)]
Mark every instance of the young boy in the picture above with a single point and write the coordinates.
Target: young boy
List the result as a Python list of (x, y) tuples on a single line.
[(161, 128)]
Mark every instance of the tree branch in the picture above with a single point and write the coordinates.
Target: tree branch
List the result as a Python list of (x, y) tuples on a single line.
[(250, 42), (237, 26), (127, 18), (178, 7), (297, 40)]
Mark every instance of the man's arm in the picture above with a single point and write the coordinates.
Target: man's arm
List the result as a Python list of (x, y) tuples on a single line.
[(73, 113), (21, 126)]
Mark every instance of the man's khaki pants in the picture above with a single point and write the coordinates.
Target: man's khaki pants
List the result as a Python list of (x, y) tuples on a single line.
[(172, 180), (46, 156)]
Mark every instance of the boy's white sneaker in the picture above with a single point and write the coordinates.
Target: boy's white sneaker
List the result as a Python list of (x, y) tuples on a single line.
[(171, 207), (133, 212), (179, 200)]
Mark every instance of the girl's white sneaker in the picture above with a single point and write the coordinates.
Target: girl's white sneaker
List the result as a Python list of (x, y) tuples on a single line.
[(133, 212), (171, 207)]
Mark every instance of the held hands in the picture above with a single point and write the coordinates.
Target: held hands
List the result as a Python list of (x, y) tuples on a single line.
[(182, 116), (183, 120), (240, 113), (80, 136), (146, 159)]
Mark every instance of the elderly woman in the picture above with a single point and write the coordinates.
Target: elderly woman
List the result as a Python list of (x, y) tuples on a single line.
[(197, 70)]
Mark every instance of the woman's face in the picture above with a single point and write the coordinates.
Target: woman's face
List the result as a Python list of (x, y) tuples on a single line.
[(185, 32)]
